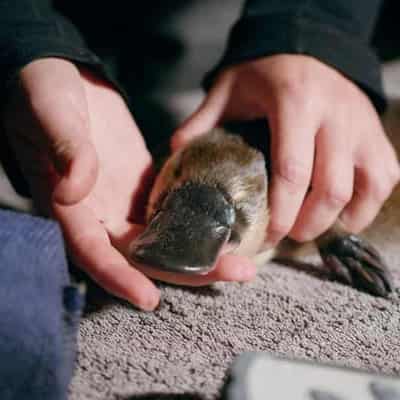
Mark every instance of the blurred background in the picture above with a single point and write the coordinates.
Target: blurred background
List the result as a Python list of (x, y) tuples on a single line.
[(159, 51)]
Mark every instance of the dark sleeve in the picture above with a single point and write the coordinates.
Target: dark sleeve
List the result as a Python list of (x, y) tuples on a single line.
[(29, 30), (32, 29), (336, 32)]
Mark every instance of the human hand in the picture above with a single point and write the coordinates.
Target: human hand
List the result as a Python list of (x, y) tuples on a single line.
[(330, 156), (88, 167)]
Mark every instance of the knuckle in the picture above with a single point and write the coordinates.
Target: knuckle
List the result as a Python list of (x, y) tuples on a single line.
[(297, 90), (335, 196), (377, 188), (292, 95), (278, 229), (294, 87), (302, 235), (293, 171)]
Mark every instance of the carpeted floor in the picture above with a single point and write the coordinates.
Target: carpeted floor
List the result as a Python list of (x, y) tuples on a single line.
[(186, 346), (182, 350)]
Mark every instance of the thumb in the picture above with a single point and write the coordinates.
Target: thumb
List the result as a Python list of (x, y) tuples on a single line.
[(59, 109), (73, 155), (209, 114)]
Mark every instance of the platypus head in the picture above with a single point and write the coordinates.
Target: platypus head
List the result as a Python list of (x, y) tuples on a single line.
[(186, 234)]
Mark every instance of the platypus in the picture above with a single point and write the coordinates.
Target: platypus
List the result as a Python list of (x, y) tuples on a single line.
[(211, 197)]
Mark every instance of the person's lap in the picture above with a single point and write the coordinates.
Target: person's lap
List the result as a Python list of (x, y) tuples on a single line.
[(39, 309)]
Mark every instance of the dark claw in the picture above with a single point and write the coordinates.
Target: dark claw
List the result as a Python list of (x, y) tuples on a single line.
[(338, 269), (355, 262)]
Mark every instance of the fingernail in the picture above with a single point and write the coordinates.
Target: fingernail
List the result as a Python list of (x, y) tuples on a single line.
[(248, 276), (150, 304), (247, 273)]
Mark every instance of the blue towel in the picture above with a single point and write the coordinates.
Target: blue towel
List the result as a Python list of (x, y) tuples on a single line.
[(39, 310)]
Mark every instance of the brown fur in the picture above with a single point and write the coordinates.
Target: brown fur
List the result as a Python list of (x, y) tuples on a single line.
[(224, 161)]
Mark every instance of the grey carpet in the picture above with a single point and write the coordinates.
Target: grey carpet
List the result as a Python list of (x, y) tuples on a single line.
[(182, 350), (187, 345)]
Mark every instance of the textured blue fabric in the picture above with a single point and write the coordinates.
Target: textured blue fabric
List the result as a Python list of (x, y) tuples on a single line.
[(39, 310)]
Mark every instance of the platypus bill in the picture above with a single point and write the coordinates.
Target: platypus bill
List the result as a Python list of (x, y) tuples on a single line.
[(211, 197)]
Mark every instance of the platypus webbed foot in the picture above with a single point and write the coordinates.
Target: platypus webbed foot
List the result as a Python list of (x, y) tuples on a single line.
[(353, 261)]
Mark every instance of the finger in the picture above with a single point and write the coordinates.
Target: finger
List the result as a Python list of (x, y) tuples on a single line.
[(292, 153), (58, 103), (80, 175), (234, 268), (228, 268), (371, 189), (207, 116), (392, 165), (332, 187), (92, 250)]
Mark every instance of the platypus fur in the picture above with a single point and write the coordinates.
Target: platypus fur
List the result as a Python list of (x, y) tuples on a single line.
[(212, 196)]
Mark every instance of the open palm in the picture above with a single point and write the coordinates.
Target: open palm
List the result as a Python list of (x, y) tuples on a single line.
[(110, 177)]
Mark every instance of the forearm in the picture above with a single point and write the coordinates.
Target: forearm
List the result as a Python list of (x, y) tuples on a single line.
[(335, 32)]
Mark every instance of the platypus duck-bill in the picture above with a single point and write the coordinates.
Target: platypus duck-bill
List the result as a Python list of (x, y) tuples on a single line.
[(212, 196)]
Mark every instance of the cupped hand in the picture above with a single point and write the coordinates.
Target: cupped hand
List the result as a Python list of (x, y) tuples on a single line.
[(88, 167), (330, 156)]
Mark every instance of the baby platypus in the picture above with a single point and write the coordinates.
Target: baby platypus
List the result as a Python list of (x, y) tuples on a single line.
[(211, 197)]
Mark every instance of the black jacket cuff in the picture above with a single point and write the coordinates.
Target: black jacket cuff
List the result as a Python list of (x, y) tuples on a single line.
[(35, 40)]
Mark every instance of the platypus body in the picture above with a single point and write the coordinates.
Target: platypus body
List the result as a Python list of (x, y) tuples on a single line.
[(211, 197)]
